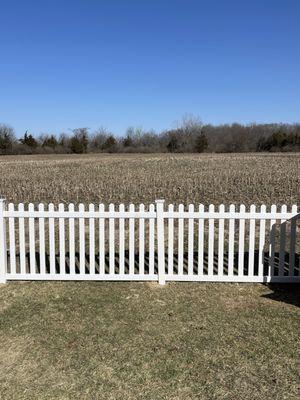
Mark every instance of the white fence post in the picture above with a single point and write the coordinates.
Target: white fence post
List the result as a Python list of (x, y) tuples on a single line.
[(160, 241), (3, 253)]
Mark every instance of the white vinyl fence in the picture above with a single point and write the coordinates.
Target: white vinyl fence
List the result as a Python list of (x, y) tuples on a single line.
[(149, 243)]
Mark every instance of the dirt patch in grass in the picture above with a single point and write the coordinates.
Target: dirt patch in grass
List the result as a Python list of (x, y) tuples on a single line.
[(89, 340)]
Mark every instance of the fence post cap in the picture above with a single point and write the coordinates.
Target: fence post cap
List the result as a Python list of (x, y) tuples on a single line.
[(160, 201)]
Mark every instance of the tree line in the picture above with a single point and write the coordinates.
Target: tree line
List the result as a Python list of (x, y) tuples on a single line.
[(191, 136)]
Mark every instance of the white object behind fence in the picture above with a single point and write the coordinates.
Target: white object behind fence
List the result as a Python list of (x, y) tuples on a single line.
[(153, 244)]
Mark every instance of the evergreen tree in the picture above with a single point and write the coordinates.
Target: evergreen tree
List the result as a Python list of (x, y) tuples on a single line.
[(29, 140), (79, 141), (201, 143)]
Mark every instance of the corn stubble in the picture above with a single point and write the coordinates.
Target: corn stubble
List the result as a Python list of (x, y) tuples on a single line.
[(235, 178)]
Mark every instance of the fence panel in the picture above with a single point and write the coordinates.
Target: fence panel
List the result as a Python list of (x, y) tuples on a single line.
[(253, 254), (135, 243)]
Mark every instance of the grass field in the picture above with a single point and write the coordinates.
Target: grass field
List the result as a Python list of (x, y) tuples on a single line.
[(80, 340), (141, 341)]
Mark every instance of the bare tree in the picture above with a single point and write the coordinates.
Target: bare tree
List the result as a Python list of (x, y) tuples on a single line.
[(7, 139), (98, 139)]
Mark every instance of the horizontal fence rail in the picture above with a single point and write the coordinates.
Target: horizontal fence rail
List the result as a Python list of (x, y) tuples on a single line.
[(150, 243)]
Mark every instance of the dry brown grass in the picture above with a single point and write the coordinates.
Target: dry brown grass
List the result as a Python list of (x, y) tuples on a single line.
[(207, 178), (127, 341)]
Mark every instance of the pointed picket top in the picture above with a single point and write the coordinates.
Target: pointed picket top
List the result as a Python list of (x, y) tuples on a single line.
[(252, 208), (191, 207), (242, 208), (201, 207), (263, 208), (232, 207), (294, 208), (151, 207), (221, 208)]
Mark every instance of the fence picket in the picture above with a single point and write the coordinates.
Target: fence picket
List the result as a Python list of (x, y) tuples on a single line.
[(282, 242), (262, 233), (171, 241), (12, 240), (121, 241), (3, 242), (251, 242), (101, 241), (131, 241), (241, 242), (31, 241), (111, 209), (272, 242), (201, 242), (231, 242), (72, 241), (92, 241), (42, 241), (151, 240), (191, 241), (51, 241), (22, 249), (221, 242), (180, 240), (62, 249), (292, 243), (211, 234), (81, 241), (142, 241), (160, 234)]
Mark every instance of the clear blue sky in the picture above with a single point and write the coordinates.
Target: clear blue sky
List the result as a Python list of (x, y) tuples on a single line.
[(92, 63)]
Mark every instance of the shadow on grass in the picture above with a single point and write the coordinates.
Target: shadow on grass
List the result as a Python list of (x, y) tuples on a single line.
[(286, 293)]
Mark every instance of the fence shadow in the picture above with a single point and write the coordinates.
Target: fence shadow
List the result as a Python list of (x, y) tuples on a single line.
[(286, 293), (287, 261), (151, 263)]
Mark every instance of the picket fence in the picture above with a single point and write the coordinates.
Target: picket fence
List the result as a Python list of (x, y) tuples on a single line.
[(150, 244)]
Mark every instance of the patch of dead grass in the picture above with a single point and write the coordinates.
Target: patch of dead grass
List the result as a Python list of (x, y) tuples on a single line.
[(113, 340)]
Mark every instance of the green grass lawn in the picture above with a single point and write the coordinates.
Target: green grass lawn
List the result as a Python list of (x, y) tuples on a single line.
[(96, 340)]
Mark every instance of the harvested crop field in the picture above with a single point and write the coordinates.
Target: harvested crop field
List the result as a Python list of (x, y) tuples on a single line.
[(206, 178)]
